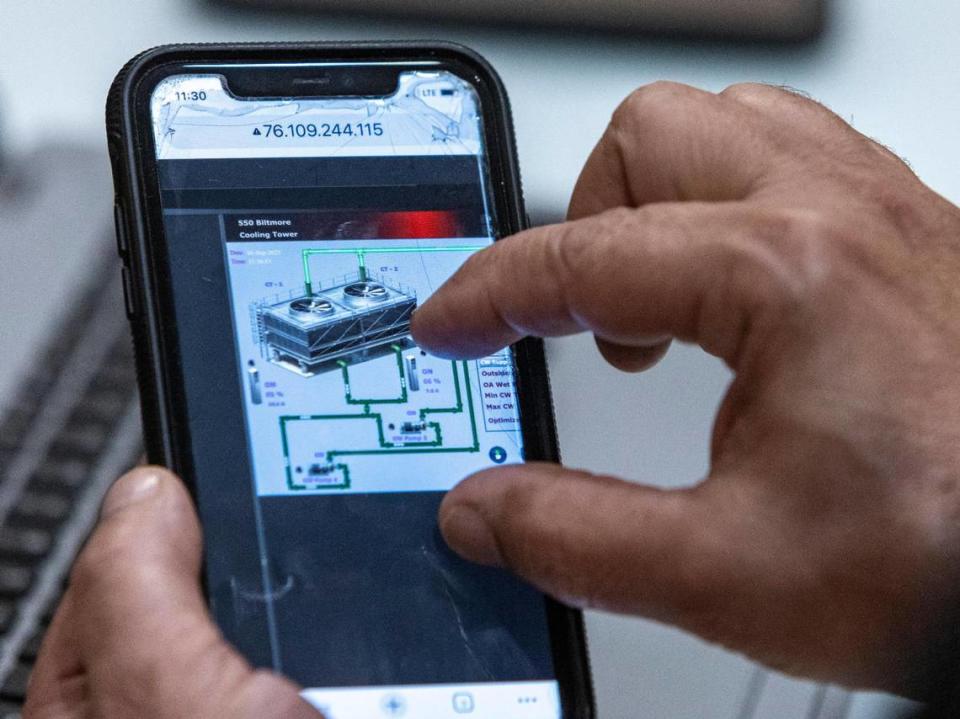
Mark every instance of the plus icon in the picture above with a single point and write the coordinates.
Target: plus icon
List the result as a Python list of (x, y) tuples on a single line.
[(393, 705)]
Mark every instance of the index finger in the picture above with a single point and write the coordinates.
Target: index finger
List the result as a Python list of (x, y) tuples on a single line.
[(695, 271)]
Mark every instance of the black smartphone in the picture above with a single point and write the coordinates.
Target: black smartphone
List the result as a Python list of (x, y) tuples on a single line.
[(281, 212)]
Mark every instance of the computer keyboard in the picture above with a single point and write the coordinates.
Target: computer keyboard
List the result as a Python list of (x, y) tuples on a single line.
[(72, 428)]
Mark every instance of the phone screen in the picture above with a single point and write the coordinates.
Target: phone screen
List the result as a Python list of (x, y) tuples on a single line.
[(302, 234)]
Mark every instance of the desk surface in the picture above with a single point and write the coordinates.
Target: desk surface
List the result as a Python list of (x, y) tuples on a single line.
[(888, 67)]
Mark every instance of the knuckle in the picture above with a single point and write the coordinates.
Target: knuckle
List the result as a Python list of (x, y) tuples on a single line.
[(792, 229), (496, 266), (749, 91), (761, 93), (780, 104), (567, 260), (568, 253), (579, 252), (810, 257), (791, 257), (802, 240), (651, 107)]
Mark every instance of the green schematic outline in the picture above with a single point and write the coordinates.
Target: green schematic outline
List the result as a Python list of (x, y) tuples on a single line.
[(385, 447), (362, 252), (434, 446), (345, 369)]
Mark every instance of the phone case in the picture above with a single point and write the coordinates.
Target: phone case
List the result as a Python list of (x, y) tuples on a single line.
[(154, 340)]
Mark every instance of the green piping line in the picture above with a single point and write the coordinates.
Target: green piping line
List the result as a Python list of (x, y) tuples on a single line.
[(428, 447), (345, 369), (361, 253), (456, 409)]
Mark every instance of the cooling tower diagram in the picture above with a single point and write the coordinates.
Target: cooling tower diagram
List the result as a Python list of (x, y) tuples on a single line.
[(345, 321), (339, 398)]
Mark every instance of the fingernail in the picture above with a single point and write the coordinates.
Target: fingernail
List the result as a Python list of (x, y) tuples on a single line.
[(469, 535), (133, 487)]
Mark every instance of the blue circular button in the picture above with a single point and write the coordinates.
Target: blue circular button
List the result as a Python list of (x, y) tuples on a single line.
[(498, 454)]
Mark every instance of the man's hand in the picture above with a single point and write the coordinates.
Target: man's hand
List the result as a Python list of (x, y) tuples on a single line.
[(132, 637), (825, 540)]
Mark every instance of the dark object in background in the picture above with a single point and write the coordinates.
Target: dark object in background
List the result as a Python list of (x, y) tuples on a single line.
[(776, 20), (69, 419)]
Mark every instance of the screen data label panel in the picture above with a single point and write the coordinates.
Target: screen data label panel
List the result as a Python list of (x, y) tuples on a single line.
[(338, 397)]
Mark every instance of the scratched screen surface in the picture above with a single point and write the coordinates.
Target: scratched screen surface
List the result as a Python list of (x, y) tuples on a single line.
[(302, 235)]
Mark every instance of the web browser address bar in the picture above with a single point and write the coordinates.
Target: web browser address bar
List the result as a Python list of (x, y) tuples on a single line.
[(313, 134)]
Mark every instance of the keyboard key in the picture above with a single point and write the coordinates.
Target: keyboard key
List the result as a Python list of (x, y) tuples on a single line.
[(120, 374), (115, 379), (20, 413), (31, 649), (14, 427), (8, 612), (9, 440), (26, 545), (39, 509), (80, 441), (15, 688), (15, 580), (36, 386), (60, 475), (102, 408)]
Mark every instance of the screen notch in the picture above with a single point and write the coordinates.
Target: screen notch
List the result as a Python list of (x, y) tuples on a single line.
[(312, 80)]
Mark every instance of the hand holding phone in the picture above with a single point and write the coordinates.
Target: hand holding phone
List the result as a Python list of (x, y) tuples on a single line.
[(132, 636)]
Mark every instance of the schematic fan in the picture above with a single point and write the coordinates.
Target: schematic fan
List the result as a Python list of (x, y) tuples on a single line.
[(312, 306), (369, 291)]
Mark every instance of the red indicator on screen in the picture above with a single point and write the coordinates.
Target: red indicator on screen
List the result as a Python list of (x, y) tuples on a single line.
[(420, 224)]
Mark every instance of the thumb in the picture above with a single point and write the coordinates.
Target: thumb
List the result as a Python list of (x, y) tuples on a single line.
[(143, 632), (594, 541)]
